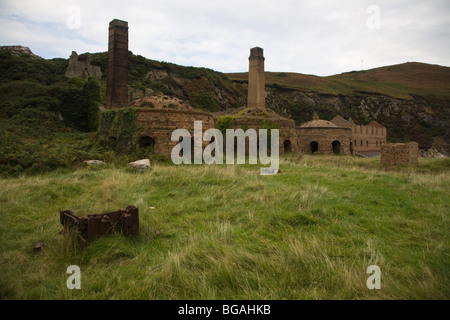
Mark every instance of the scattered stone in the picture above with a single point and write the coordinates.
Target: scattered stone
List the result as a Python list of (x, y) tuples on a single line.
[(269, 171), (140, 164), (37, 246), (162, 102), (94, 162), (431, 153)]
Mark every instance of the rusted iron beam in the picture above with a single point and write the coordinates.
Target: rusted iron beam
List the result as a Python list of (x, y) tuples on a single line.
[(97, 225)]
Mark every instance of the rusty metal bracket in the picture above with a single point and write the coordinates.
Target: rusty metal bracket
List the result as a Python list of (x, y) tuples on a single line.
[(97, 225)]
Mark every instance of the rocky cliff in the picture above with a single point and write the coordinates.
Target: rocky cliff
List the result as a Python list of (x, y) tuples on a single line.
[(20, 51), (405, 120)]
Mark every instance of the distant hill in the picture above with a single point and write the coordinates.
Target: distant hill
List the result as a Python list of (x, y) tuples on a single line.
[(403, 81)]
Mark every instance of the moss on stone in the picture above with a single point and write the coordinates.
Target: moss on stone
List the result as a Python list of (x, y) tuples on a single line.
[(119, 124)]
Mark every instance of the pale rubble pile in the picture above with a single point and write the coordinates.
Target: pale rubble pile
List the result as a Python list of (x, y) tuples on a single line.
[(431, 153), (162, 102)]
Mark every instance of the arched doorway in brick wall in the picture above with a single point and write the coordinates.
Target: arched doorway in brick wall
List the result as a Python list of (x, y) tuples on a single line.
[(287, 146), (336, 145), (313, 147), (146, 142)]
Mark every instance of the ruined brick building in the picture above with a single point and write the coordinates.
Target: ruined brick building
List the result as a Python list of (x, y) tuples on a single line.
[(366, 140), (81, 67), (320, 136), (154, 126)]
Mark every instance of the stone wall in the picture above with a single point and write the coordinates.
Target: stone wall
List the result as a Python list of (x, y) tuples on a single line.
[(327, 140), (400, 153), (81, 67)]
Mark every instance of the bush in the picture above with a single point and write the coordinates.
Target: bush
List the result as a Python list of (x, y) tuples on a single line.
[(225, 122), (91, 90), (119, 124)]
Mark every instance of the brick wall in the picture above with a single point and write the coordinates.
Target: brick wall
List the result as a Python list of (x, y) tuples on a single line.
[(400, 153), (368, 138), (287, 133), (117, 72), (159, 124), (324, 138), (256, 82)]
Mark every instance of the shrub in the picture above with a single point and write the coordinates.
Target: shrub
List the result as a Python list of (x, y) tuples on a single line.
[(225, 122), (119, 124)]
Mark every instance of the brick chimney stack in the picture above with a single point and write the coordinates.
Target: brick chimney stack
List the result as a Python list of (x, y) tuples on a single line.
[(117, 72), (256, 79)]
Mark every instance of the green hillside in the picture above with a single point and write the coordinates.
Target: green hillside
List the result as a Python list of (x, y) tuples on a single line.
[(48, 121), (403, 81), (197, 86), (45, 118)]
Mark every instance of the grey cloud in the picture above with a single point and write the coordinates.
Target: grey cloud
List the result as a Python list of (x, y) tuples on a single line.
[(315, 37)]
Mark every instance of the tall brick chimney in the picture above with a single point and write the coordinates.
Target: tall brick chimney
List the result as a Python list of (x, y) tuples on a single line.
[(256, 79), (117, 72)]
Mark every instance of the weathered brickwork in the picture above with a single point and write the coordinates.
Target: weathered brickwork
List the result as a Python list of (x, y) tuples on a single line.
[(368, 138), (155, 126), (400, 153), (320, 136), (117, 71), (287, 134), (256, 79), (257, 102), (81, 67), (365, 139)]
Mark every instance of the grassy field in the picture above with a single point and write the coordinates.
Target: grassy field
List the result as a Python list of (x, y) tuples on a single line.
[(225, 232)]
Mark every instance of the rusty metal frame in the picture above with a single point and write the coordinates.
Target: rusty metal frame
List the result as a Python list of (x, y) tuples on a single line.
[(97, 225)]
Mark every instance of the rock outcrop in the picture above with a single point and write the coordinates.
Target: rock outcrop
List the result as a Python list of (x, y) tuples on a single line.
[(20, 51), (405, 120), (431, 153)]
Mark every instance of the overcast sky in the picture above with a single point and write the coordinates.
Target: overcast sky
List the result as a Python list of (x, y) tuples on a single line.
[(312, 37)]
